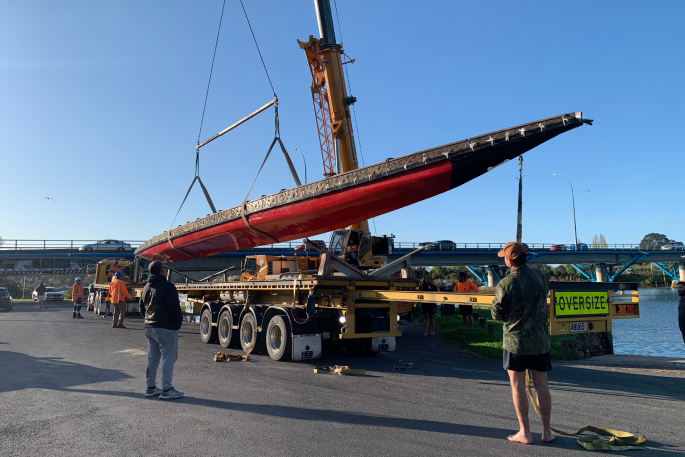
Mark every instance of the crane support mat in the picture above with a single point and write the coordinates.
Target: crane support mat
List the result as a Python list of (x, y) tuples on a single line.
[(354, 196)]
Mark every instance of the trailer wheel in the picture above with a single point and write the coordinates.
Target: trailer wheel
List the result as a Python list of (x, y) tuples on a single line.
[(250, 339), (208, 334), (360, 346), (278, 339), (227, 337)]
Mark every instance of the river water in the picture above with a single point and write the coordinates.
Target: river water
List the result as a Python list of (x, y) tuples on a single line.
[(656, 332)]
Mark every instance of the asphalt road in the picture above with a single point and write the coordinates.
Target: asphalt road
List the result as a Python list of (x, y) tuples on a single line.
[(75, 387)]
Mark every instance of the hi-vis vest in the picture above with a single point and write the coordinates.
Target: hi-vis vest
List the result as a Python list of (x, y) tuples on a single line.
[(111, 270), (466, 286), (77, 291), (118, 291)]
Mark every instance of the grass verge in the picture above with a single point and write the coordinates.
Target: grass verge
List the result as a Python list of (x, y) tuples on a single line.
[(452, 332)]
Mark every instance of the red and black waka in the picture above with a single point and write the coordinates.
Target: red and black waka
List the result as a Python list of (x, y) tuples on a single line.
[(354, 196)]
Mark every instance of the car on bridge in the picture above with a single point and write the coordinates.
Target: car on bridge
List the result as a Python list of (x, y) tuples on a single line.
[(558, 247), (5, 299), (107, 246), (319, 243), (673, 246), (577, 247), (51, 293), (442, 245)]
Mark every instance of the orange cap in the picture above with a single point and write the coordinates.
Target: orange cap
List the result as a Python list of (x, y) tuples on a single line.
[(512, 251)]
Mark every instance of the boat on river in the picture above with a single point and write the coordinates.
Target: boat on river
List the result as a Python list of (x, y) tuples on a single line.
[(347, 198)]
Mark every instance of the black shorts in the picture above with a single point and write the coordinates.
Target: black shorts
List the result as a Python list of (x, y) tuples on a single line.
[(77, 301), (516, 362), (466, 310)]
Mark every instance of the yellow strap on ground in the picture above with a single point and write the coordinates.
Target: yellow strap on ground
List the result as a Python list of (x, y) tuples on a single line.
[(339, 369), (610, 440)]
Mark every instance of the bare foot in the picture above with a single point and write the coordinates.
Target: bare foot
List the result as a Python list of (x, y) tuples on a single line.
[(425, 334), (521, 437), (547, 437), (432, 333)]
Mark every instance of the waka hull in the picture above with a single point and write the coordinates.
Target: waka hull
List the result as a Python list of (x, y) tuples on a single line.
[(360, 194)]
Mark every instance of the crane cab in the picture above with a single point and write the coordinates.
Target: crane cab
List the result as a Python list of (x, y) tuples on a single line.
[(361, 249)]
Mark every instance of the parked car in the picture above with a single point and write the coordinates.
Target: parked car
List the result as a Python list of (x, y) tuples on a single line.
[(51, 293), (577, 247), (5, 299), (319, 243), (558, 247), (674, 246), (442, 245), (107, 245)]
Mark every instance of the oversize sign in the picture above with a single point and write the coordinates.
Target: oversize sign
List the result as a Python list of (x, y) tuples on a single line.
[(581, 303)]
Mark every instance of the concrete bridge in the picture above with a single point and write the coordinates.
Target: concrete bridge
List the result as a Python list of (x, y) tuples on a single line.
[(603, 264)]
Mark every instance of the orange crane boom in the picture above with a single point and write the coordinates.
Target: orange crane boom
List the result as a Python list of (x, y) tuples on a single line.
[(330, 98)]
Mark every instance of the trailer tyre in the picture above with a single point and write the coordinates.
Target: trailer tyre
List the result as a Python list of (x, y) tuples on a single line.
[(208, 334), (228, 338), (278, 339), (250, 339)]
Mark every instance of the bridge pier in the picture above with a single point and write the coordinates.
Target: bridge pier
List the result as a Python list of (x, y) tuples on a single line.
[(681, 276), (600, 274), (493, 279)]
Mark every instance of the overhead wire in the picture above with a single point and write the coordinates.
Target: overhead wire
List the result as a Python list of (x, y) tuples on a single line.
[(354, 112), (260, 52)]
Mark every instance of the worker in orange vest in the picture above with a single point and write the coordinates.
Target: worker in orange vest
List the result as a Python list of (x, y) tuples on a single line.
[(465, 285), (112, 270), (77, 297), (118, 294)]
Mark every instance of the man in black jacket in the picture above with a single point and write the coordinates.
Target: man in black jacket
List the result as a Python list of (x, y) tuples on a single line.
[(163, 318)]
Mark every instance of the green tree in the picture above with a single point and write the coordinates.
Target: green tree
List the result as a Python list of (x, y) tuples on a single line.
[(654, 241)]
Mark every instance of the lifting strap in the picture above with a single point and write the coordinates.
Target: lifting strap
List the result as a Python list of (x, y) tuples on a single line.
[(616, 440), (204, 190), (277, 138)]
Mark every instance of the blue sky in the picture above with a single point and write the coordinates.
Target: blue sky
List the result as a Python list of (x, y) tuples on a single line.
[(101, 106)]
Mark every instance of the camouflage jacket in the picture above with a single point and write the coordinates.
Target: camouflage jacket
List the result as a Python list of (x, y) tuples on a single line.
[(521, 303)]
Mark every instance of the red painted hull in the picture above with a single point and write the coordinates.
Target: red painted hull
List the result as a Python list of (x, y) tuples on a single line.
[(330, 210)]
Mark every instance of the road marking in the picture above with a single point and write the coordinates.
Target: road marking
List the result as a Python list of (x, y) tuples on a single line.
[(132, 352)]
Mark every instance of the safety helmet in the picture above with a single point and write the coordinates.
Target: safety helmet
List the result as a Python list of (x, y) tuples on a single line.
[(78, 278), (118, 274), (116, 262)]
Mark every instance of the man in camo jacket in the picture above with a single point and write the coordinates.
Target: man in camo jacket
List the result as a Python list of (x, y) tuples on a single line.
[(521, 304)]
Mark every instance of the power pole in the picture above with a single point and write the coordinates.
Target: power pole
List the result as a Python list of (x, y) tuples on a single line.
[(519, 220)]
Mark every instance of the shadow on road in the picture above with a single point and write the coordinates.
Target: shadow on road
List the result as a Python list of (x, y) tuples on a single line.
[(586, 380), (340, 417), (21, 371)]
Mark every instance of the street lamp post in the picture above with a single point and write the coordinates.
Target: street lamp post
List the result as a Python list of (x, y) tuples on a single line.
[(573, 200), (305, 165)]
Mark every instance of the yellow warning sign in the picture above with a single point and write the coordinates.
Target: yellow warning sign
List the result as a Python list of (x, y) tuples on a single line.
[(581, 303)]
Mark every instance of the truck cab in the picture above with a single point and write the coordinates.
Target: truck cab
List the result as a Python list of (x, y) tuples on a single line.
[(361, 249)]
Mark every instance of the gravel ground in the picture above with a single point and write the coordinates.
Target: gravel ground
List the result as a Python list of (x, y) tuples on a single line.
[(75, 387)]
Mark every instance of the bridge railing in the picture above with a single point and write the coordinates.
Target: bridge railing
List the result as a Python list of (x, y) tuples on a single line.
[(44, 245), (436, 246)]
